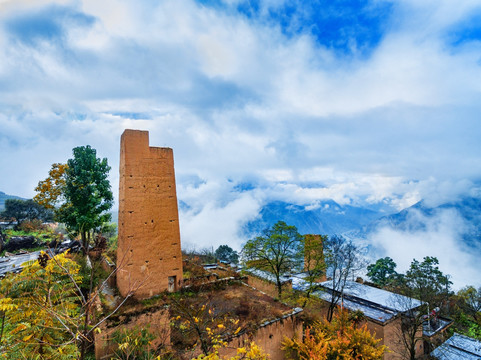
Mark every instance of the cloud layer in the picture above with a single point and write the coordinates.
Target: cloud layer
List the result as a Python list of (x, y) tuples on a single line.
[(440, 236), (372, 104)]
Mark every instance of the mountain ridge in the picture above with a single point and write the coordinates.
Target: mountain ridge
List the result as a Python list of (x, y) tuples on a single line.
[(4, 197), (328, 217)]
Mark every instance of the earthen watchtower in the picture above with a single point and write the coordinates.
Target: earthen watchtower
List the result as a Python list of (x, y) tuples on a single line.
[(149, 250)]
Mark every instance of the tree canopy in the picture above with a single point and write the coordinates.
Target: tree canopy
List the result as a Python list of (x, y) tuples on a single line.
[(277, 251), (226, 253), (423, 281), (80, 192), (40, 308), (314, 262), (382, 271), (472, 301), (51, 191), (426, 282), (24, 210)]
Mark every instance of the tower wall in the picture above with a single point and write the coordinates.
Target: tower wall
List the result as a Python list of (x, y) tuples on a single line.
[(315, 245), (149, 257)]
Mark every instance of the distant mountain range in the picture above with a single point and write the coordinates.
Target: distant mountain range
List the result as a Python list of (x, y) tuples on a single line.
[(416, 218), (355, 222), (327, 218), (358, 223), (4, 197)]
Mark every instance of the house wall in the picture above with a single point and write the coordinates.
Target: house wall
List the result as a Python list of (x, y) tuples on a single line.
[(149, 238), (392, 338)]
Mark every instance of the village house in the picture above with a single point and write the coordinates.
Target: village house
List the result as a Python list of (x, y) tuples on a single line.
[(384, 312)]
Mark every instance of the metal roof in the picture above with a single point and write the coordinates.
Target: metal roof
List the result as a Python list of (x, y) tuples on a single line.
[(379, 305), (376, 304), (459, 347), (267, 275), (14, 263), (376, 313), (382, 298), (433, 326)]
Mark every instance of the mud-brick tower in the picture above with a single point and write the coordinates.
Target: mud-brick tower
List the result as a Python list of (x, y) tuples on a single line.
[(148, 251), (314, 249)]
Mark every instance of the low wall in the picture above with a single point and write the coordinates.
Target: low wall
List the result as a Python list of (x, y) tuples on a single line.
[(199, 280), (266, 286), (157, 321), (109, 267), (269, 336)]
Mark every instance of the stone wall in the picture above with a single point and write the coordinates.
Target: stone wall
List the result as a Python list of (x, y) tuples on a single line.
[(148, 256)]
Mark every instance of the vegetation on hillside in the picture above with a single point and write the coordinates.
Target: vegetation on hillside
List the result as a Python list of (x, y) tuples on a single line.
[(51, 309)]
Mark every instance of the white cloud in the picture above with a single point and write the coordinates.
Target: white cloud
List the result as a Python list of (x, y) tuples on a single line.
[(239, 101), (9, 6), (216, 225), (441, 237)]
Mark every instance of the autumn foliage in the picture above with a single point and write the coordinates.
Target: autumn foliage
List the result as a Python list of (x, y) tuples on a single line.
[(50, 190), (39, 310), (339, 339)]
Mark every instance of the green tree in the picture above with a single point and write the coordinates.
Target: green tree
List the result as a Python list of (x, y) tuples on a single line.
[(467, 312), (82, 189), (278, 251), (382, 271), (472, 301), (25, 210), (226, 253), (423, 281)]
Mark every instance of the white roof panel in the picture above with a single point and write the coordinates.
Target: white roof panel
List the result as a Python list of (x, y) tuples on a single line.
[(379, 297), (459, 347)]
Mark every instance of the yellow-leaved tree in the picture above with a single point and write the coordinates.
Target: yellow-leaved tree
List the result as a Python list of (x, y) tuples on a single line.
[(341, 338), (50, 191), (40, 308), (249, 352)]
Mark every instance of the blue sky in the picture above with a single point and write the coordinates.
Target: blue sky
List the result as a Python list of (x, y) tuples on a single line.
[(363, 102)]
